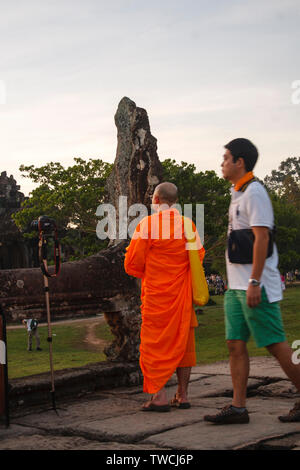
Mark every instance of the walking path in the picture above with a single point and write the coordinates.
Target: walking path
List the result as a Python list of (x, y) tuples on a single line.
[(91, 323), (111, 419)]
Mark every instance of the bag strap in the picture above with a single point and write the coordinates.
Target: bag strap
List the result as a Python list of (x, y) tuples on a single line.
[(189, 233), (245, 185), (243, 189)]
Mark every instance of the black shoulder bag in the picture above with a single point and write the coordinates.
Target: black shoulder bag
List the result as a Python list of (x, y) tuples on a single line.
[(240, 242)]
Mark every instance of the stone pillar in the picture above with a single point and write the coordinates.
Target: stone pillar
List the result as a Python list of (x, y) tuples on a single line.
[(137, 170)]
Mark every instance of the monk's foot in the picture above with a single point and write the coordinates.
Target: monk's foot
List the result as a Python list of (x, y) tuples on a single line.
[(154, 405), (179, 402)]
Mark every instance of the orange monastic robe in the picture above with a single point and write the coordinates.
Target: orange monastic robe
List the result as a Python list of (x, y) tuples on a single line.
[(159, 257)]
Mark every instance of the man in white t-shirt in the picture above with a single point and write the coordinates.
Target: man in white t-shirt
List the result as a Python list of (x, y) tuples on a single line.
[(254, 285), (32, 330)]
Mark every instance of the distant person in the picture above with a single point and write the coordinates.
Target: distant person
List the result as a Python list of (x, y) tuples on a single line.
[(168, 318), (282, 281), (254, 284), (32, 330)]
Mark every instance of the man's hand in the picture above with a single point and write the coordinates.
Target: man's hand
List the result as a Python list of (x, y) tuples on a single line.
[(253, 296), (260, 248)]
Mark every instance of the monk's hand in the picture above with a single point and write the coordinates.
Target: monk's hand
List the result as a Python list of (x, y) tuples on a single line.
[(253, 296)]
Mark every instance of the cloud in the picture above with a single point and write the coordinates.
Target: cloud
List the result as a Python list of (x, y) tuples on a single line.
[(205, 72)]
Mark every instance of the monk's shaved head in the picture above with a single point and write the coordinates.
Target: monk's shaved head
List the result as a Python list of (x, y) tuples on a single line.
[(167, 193)]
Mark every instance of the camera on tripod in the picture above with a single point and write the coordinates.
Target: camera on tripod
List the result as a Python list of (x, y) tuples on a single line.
[(44, 224), (47, 230)]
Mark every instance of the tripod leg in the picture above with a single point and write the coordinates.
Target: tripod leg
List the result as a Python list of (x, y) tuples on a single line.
[(46, 284)]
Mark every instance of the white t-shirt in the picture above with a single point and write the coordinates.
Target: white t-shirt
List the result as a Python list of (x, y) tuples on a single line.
[(253, 208), (28, 324)]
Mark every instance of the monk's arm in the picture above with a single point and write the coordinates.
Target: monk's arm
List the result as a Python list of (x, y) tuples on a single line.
[(200, 247), (136, 253)]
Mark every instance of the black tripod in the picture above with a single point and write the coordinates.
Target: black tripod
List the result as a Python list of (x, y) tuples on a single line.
[(48, 230)]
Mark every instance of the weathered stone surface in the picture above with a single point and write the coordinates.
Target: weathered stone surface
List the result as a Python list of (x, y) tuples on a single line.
[(259, 367), (44, 442), (283, 388), (214, 386), (14, 431), (205, 386), (286, 443), (135, 427), (125, 325), (137, 169), (95, 407), (70, 383), (111, 419), (94, 284), (15, 251), (206, 436)]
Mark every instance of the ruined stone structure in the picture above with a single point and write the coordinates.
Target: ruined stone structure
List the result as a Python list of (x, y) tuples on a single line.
[(15, 251), (137, 169), (98, 283)]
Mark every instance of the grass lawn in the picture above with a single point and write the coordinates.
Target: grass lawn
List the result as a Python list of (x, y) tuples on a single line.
[(70, 350), (210, 335)]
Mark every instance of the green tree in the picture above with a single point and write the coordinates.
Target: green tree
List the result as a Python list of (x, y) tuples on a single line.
[(284, 188), (285, 181), (287, 221), (70, 196)]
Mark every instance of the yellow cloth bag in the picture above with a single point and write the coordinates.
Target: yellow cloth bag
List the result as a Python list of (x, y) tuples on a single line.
[(199, 284)]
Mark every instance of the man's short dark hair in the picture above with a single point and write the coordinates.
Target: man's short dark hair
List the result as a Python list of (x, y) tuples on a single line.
[(243, 148)]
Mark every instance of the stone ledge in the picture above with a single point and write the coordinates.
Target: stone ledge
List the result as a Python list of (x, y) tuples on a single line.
[(70, 383)]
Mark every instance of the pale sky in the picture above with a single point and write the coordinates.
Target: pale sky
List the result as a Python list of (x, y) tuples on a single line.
[(206, 72)]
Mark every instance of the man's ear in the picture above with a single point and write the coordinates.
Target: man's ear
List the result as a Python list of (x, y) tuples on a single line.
[(241, 163)]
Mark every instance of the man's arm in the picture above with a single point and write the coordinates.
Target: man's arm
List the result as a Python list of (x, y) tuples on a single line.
[(260, 249)]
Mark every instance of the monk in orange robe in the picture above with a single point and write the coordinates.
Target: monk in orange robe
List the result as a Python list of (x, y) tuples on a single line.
[(157, 254)]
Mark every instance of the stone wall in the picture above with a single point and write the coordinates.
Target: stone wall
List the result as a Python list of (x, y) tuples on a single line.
[(15, 251)]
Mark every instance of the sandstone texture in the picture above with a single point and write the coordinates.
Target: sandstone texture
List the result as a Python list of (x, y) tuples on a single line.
[(109, 419)]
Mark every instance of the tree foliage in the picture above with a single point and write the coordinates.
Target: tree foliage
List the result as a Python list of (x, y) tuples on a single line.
[(285, 182), (284, 188), (70, 196), (287, 220)]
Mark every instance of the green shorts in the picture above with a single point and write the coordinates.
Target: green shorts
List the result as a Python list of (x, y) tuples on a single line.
[(264, 322)]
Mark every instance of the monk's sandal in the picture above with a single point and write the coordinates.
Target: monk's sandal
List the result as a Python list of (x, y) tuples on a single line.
[(293, 416), (228, 415), (175, 402)]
